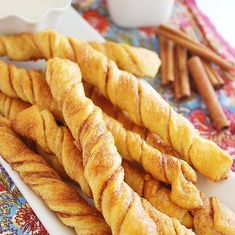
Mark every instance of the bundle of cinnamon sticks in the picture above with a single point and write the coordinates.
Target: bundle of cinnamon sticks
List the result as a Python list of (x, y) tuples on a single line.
[(182, 55)]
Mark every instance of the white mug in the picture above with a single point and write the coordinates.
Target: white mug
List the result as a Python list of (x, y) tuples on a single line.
[(140, 13)]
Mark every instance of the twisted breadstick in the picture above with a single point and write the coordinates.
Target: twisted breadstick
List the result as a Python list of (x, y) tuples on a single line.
[(60, 140), (31, 87), (162, 167), (113, 111), (10, 107), (28, 85), (170, 170), (42, 136), (143, 184), (123, 209), (213, 218), (145, 106), (158, 195), (139, 61), (136, 60), (72, 210), (39, 125)]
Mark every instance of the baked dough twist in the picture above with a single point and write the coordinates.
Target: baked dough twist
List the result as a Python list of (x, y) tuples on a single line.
[(158, 195), (144, 105), (151, 138), (38, 124), (122, 209), (162, 167), (10, 107), (139, 61), (28, 85), (213, 218), (147, 108), (72, 210), (41, 134), (59, 138), (221, 221)]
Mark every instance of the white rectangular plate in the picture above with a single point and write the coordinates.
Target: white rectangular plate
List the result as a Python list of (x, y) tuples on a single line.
[(74, 25)]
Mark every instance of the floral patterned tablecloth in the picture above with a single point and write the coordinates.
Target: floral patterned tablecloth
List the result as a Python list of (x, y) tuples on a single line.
[(16, 216)]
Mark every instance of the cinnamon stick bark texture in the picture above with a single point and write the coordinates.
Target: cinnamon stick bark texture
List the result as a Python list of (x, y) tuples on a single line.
[(163, 57), (211, 75), (182, 39), (207, 92), (182, 55), (177, 88), (218, 76), (170, 61)]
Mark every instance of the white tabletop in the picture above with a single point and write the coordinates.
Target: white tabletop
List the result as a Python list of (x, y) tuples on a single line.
[(222, 14)]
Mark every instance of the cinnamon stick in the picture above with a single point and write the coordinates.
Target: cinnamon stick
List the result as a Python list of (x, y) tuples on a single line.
[(181, 54), (211, 75), (182, 39), (170, 61), (207, 92), (220, 80), (177, 90), (163, 57)]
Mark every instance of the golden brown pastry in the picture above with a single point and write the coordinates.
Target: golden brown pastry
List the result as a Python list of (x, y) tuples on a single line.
[(28, 85), (147, 108), (149, 189), (172, 171), (144, 105), (158, 195), (214, 218), (37, 87), (123, 210), (139, 61), (10, 107), (162, 167), (52, 160), (53, 139), (113, 111), (72, 210)]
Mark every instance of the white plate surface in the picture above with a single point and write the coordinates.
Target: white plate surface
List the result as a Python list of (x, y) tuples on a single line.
[(74, 25)]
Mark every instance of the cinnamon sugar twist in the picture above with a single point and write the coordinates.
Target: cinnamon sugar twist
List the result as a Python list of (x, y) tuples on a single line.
[(158, 195), (28, 85), (214, 217), (139, 61), (122, 209), (57, 139), (71, 209), (221, 221), (144, 105), (164, 168), (53, 139), (113, 111), (43, 137), (10, 107)]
